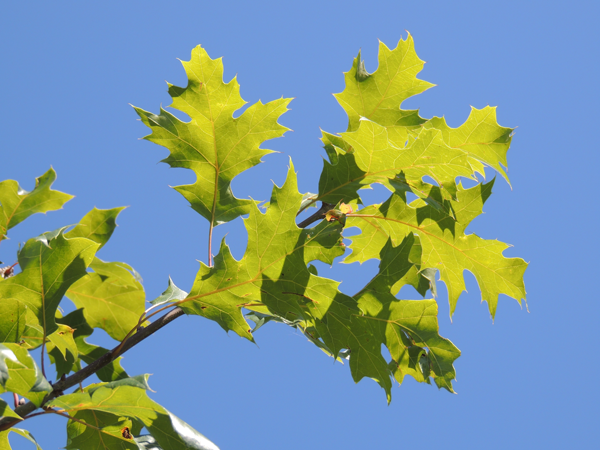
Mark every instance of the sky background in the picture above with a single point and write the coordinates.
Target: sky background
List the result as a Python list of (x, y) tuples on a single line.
[(526, 380)]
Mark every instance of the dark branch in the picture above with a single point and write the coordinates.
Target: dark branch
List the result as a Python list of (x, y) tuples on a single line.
[(316, 216), (107, 358)]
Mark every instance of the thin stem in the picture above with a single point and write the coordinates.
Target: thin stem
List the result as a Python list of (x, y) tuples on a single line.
[(142, 318), (38, 414), (210, 233), (43, 351), (64, 414)]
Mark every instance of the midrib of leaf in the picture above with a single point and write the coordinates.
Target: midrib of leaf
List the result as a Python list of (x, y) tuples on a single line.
[(9, 218), (216, 166), (43, 295)]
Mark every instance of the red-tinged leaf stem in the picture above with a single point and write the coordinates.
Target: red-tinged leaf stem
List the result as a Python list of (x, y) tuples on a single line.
[(210, 233)]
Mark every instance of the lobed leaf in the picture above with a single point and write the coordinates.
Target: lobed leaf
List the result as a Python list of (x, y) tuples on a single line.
[(480, 137), (375, 159), (480, 141), (278, 252), (5, 445), (87, 352), (112, 297), (274, 282), (216, 146), (97, 225), (50, 264), (20, 374), (445, 246), (17, 204), (378, 96)]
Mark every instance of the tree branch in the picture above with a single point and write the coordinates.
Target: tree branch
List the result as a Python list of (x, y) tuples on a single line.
[(316, 216), (94, 367)]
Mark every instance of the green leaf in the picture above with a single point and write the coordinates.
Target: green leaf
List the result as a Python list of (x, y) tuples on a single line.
[(112, 297), (171, 294), (375, 159), (16, 204), (97, 225), (48, 269), (5, 445), (274, 282), (62, 349), (445, 246), (273, 271), (480, 136), (99, 430), (88, 353), (62, 339), (213, 144), (12, 320), (6, 411), (378, 96), (20, 374), (410, 326), (172, 432), (124, 399)]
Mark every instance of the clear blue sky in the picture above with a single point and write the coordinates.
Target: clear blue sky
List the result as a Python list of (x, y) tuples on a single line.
[(69, 72)]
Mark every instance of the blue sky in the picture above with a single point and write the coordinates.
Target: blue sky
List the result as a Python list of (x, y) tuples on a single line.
[(69, 72)]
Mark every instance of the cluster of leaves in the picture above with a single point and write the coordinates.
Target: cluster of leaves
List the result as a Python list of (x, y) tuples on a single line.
[(274, 281), (107, 295)]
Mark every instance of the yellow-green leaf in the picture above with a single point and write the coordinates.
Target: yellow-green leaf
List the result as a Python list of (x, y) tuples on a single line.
[(216, 146)]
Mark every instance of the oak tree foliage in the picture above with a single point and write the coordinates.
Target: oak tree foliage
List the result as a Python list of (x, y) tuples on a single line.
[(435, 176)]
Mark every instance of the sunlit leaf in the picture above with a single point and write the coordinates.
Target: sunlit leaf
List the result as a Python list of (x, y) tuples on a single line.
[(216, 146), (49, 266), (112, 297), (87, 352), (126, 398), (5, 445), (12, 320), (445, 245), (97, 225), (16, 204), (20, 374)]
